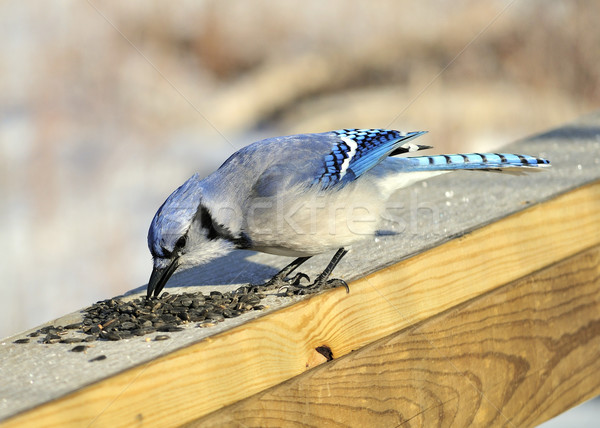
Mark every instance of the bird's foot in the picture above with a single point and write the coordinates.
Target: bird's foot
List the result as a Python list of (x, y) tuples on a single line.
[(320, 284), (277, 283)]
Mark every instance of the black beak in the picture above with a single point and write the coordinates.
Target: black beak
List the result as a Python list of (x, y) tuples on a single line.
[(159, 278)]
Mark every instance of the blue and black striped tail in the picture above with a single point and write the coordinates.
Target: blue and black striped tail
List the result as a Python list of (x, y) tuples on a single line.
[(472, 161)]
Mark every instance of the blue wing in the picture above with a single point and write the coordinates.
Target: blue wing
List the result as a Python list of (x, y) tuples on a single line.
[(356, 151)]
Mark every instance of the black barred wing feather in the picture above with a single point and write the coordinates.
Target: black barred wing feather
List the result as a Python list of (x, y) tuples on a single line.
[(359, 150)]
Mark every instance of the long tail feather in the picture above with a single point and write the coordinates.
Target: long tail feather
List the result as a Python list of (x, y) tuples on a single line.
[(470, 161)]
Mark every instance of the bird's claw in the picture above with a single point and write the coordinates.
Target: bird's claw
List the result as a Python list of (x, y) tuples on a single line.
[(338, 282), (298, 278)]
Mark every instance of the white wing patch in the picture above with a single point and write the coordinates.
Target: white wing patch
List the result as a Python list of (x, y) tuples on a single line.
[(352, 144), (410, 147)]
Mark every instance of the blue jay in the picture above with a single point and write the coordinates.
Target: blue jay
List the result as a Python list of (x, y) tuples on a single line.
[(298, 195)]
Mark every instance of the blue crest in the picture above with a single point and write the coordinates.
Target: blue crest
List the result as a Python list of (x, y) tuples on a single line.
[(174, 217)]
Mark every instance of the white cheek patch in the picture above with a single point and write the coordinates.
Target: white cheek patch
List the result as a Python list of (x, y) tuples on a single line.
[(353, 146), (205, 252)]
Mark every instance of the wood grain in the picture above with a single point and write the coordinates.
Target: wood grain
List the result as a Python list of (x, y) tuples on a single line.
[(514, 357), (216, 372)]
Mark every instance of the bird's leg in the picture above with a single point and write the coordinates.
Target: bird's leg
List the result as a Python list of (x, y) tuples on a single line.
[(281, 278), (323, 281)]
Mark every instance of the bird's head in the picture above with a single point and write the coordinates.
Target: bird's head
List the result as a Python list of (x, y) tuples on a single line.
[(182, 233)]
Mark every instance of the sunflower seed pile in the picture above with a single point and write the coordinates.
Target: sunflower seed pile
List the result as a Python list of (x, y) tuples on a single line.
[(116, 319)]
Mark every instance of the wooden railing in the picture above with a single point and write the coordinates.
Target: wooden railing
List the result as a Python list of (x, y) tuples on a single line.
[(483, 310)]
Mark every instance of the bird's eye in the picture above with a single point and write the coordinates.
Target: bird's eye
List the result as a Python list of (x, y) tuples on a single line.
[(181, 242)]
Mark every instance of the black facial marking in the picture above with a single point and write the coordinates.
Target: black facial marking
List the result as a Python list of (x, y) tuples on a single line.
[(218, 231), (243, 242), (207, 223)]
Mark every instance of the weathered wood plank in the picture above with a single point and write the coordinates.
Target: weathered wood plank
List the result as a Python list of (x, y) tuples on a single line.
[(248, 359), (516, 356)]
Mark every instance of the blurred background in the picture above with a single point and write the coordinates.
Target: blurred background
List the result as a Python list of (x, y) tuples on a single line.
[(107, 107)]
